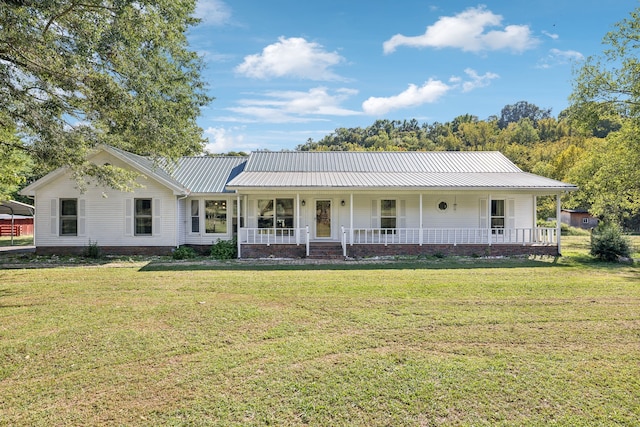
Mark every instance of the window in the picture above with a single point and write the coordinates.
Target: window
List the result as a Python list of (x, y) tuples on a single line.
[(284, 213), (280, 217), (143, 217), (68, 217), (388, 215), (585, 220), (265, 213), (237, 217), (215, 216), (195, 216), (497, 214)]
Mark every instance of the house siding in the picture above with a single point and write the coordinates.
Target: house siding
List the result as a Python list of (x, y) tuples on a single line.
[(104, 215), (201, 238)]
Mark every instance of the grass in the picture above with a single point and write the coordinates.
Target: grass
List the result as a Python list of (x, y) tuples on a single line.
[(411, 343), (17, 241)]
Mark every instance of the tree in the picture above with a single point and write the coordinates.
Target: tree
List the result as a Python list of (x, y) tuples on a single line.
[(77, 74), (609, 175), (608, 85), (15, 165), (606, 101), (522, 110)]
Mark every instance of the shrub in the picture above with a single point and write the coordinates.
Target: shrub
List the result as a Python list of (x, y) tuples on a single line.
[(225, 249), (608, 243), (184, 252), (92, 250)]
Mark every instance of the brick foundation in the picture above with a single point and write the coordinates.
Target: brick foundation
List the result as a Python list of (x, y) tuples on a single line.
[(105, 250), (366, 251), (363, 251)]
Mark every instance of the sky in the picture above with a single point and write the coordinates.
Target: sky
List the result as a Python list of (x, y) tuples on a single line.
[(286, 71)]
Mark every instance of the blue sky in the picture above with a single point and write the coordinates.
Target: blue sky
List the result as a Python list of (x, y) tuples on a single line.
[(284, 71)]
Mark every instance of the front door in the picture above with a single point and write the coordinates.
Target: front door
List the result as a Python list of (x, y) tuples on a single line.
[(323, 219)]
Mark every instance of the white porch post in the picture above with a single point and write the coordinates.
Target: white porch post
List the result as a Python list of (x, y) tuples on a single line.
[(489, 219), (351, 219), (297, 224), (558, 228), (420, 238), (534, 226), (239, 241)]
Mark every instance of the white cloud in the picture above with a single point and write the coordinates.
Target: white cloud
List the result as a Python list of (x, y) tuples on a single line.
[(551, 35), (213, 12), (223, 140), (468, 31), (292, 57), (414, 96), (560, 57), (566, 55), (294, 106), (477, 80)]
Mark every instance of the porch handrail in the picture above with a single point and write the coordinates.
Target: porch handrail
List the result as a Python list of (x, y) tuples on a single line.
[(449, 236)]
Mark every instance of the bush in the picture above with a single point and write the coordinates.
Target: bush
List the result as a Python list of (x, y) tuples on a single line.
[(92, 250), (225, 249), (608, 243), (184, 252)]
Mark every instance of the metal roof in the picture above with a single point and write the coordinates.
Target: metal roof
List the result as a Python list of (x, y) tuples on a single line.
[(13, 207), (207, 174), (413, 180), (202, 174), (371, 162), (146, 164), (397, 170)]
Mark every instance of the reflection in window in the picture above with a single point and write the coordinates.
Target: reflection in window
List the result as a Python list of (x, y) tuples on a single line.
[(195, 216), (143, 217), (68, 217), (276, 213), (497, 214), (215, 212), (388, 216)]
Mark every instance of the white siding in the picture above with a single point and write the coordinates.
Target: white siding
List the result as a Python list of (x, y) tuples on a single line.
[(101, 213), (201, 237)]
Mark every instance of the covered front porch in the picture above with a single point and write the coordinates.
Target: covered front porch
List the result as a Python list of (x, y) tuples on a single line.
[(368, 225)]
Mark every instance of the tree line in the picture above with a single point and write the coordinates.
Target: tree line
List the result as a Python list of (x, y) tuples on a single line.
[(556, 148)]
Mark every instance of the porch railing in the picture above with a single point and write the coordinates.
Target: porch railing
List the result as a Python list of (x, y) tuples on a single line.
[(449, 236), (275, 236)]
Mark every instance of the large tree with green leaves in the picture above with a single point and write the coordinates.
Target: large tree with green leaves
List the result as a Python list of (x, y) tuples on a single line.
[(607, 89), (609, 85), (74, 74)]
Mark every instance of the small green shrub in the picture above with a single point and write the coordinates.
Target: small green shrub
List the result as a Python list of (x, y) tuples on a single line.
[(225, 249), (184, 252), (92, 250), (608, 243)]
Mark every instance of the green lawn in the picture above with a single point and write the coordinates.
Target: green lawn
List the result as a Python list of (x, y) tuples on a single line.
[(17, 241), (437, 342)]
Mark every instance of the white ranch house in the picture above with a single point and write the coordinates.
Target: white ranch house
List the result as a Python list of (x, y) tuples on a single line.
[(303, 204)]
